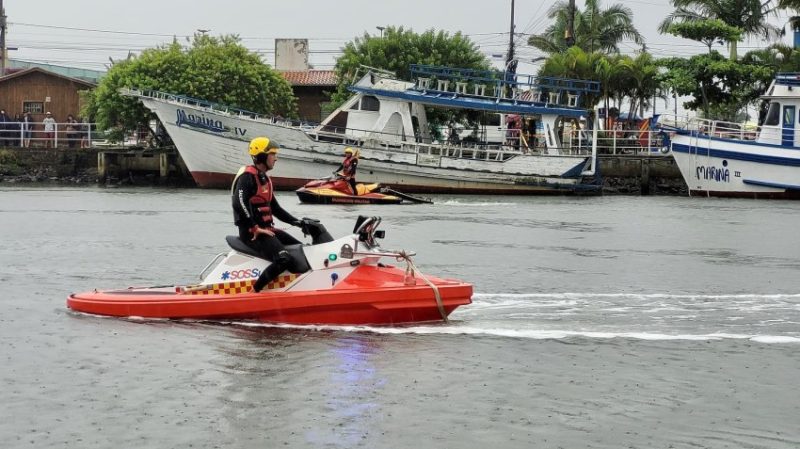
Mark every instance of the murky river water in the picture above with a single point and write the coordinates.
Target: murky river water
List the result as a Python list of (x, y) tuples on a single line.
[(597, 322)]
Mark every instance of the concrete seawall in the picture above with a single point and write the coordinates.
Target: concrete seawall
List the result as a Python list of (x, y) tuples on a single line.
[(91, 165), (641, 175), (622, 174)]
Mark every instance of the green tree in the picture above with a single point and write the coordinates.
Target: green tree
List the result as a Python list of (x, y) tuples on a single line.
[(398, 49), (720, 88), (638, 79), (778, 57), (578, 64), (595, 29), (708, 32), (216, 69), (642, 79), (613, 79), (749, 16)]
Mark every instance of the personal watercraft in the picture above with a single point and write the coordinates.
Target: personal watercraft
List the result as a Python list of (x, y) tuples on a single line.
[(337, 190), (331, 281)]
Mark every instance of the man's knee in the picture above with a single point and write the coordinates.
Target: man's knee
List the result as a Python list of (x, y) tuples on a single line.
[(284, 259)]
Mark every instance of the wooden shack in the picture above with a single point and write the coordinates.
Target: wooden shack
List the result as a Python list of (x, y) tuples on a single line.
[(39, 91)]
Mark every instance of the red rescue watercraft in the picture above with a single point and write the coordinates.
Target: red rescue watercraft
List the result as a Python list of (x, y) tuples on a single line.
[(339, 282), (336, 190)]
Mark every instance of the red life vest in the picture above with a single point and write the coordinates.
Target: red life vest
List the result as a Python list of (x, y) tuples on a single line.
[(349, 167), (263, 197)]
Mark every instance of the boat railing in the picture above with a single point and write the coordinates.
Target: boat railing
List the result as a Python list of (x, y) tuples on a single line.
[(399, 143), (505, 86), (209, 106), (674, 121), (787, 79), (724, 130), (514, 144), (637, 142), (713, 128)]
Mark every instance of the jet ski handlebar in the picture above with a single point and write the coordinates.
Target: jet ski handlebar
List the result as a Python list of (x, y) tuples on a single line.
[(317, 231), (365, 224), (367, 229)]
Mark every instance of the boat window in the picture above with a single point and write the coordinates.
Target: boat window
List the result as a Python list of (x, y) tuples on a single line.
[(773, 115), (370, 103), (492, 120)]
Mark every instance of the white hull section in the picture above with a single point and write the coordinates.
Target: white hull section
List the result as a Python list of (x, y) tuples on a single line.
[(213, 147), (726, 167)]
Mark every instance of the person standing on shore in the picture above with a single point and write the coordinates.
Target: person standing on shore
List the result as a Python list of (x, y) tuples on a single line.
[(15, 131), (4, 123), (72, 131), (49, 130), (83, 127), (27, 129)]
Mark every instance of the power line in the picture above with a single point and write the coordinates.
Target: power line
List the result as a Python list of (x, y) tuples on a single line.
[(56, 27)]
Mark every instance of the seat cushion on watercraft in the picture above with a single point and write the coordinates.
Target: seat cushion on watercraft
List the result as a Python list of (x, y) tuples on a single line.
[(299, 265), (236, 243)]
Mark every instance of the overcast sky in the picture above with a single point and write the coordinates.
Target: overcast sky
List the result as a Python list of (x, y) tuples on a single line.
[(85, 33)]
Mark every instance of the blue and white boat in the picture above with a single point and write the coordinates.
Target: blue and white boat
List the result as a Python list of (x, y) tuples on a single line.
[(726, 159), (386, 119)]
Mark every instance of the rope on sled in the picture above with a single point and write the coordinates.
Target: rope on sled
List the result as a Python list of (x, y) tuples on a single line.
[(412, 270)]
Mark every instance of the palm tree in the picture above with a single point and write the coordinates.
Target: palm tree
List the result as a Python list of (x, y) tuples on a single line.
[(577, 64), (750, 16), (613, 78), (643, 81), (595, 29)]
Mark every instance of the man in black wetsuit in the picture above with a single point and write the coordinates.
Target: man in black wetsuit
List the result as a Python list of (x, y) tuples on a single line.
[(254, 210)]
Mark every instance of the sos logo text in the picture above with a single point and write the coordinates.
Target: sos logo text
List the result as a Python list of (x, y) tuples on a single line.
[(249, 273)]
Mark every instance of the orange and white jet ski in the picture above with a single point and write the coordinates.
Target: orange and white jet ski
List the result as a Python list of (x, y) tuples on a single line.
[(336, 190), (332, 282)]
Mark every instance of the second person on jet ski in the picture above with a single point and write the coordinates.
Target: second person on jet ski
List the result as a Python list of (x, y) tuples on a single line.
[(347, 169), (255, 208)]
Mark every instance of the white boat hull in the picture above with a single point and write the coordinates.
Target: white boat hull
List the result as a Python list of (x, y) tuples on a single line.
[(213, 145), (713, 166)]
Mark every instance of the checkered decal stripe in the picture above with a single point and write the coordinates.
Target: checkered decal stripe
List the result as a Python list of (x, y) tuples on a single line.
[(235, 288)]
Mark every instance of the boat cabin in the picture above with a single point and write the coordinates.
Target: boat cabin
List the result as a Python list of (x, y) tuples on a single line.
[(518, 112), (780, 125)]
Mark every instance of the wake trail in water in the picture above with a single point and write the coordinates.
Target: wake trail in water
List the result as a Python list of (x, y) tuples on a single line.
[(456, 328), (642, 302), (474, 204), (762, 318), (568, 295)]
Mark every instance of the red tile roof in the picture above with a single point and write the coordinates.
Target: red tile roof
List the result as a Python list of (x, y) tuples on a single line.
[(311, 78)]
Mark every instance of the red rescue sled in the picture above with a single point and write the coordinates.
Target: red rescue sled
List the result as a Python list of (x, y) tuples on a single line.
[(332, 282), (336, 190)]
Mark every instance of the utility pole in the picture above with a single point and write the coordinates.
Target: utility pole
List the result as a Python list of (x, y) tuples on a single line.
[(569, 32), (2, 39), (511, 64)]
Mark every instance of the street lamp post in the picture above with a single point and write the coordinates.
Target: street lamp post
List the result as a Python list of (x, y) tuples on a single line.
[(381, 30)]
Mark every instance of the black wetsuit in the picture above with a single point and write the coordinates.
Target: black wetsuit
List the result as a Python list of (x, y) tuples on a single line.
[(246, 216)]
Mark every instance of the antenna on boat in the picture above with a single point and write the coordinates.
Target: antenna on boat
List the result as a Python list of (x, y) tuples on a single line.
[(377, 71), (365, 68)]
